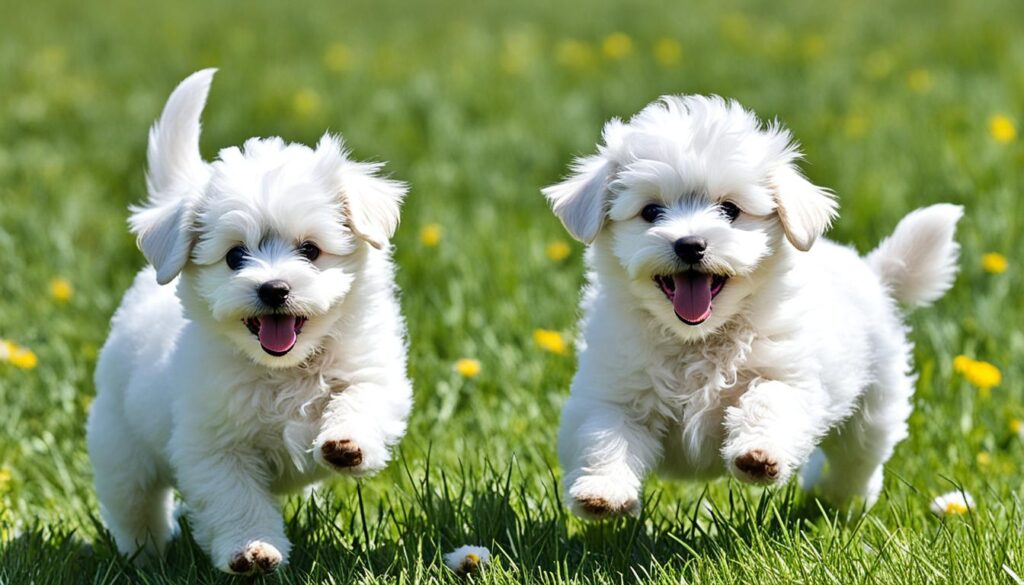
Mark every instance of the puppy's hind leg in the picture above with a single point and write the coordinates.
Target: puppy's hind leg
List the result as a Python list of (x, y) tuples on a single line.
[(136, 501), (856, 452)]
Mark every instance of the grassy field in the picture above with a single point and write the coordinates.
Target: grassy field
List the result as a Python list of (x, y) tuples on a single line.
[(478, 105)]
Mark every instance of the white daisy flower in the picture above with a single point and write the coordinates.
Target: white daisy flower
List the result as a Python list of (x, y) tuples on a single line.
[(952, 504), (467, 560)]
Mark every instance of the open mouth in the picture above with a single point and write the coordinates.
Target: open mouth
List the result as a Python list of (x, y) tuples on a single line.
[(691, 293), (277, 333)]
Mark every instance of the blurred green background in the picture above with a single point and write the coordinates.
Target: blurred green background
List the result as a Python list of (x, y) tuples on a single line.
[(478, 105)]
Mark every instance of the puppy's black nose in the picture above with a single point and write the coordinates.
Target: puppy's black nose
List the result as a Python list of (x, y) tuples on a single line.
[(274, 292), (690, 249)]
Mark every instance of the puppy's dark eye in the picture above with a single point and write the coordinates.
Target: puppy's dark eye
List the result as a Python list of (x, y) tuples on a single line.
[(236, 257), (309, 251), (730, 210), (652, 212)]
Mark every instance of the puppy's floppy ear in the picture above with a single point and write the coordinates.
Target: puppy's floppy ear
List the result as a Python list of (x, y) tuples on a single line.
[(804, 209), (175, 179), (372, 202), (581, 200)]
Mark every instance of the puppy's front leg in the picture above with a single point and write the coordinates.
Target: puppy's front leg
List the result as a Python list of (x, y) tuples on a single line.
[(234, 516), (770, 432), (605, 454), (361, 424)]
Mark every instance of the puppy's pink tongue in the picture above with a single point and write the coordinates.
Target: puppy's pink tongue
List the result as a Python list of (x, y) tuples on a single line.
[(692, 299), (277, 333)]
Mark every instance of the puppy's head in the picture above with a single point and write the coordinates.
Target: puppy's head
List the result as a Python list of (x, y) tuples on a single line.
[(691, 199), (271, 236)]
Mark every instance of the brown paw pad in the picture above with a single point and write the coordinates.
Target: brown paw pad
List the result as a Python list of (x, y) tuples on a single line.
[(257, 557), (600, 507), (758, 465), (240, 564), (343, 453)]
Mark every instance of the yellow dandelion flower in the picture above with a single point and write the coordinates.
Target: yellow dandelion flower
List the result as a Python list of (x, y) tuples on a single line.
[(574, 54), (549, 340), (558, 250), (961, 363), (984, 458), (467, 560), (979, 373), (813, 46), (920, 80), (984, 375), (617, 46), (61, 290), (430, 235), (855, 125), (956, 508), (516, 53), (386, 62), (90, 351), (338, 58), (952, 504), (306, 103), (668, 52), (994, 262), (1016, 426), (735, 28), (468, 367), (23, 358), (6, 349), (1002, 129)]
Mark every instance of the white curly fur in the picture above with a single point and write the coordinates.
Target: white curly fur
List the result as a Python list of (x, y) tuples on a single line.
[(805, 346), (187, 396)]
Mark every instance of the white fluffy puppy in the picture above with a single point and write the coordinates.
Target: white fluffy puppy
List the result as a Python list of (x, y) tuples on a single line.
[(262, 350), (716, 334)]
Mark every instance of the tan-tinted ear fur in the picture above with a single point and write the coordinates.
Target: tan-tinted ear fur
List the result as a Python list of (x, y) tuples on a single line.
[(804, 209), (372, 202)]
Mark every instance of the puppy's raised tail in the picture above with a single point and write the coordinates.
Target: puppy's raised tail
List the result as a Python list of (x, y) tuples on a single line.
[(173, 153), (918, 262), (175, 176)]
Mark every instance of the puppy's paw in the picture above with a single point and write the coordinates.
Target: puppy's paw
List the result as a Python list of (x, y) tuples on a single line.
[(343, 453), (761, 466), (257, 557), (756, 466), (597, 497)]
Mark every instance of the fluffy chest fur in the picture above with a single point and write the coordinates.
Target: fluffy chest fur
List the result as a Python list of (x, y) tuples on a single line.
[(280, 412), (692, 384)]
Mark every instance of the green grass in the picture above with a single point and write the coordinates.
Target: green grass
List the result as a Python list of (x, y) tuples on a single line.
[(478, 105)]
